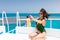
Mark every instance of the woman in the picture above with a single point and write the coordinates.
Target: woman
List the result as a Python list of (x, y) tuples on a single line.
[(40, 34)]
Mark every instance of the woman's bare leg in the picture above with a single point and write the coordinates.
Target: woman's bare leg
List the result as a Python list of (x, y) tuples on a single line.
[(40, 36), (32, 35)]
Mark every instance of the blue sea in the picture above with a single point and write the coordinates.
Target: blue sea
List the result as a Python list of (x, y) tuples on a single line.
[(12, 21)]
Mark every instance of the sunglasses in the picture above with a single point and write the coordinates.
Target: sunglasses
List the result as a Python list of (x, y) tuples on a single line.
[(41, 13)]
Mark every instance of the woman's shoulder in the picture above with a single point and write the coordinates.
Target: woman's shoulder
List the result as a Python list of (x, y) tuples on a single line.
[(44, 20)]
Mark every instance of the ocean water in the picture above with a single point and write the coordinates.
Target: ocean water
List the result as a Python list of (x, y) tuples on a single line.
[(13, 24)]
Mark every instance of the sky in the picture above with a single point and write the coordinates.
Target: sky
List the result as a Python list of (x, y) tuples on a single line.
[(29, 6)]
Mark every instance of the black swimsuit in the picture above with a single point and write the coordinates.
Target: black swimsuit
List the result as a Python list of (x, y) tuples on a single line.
[(40, 27)]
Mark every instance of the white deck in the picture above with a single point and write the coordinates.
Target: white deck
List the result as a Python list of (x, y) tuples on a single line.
[(22, 37), (23, 34)]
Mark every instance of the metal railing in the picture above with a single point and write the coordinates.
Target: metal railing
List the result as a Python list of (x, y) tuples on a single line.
[(2, 27), (19, 20), (2, 19), (7, 22)]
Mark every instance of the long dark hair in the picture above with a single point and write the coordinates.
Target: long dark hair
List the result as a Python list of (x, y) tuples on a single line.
[(45, 14)]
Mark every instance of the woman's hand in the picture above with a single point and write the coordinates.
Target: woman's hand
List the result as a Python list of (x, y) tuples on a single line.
[(31, 17)]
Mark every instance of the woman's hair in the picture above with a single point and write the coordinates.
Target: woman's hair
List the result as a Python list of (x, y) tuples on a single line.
[(45, 14), (27, 16)]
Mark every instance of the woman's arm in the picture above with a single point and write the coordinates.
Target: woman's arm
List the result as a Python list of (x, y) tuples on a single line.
[(44, 22), (39, 21)]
